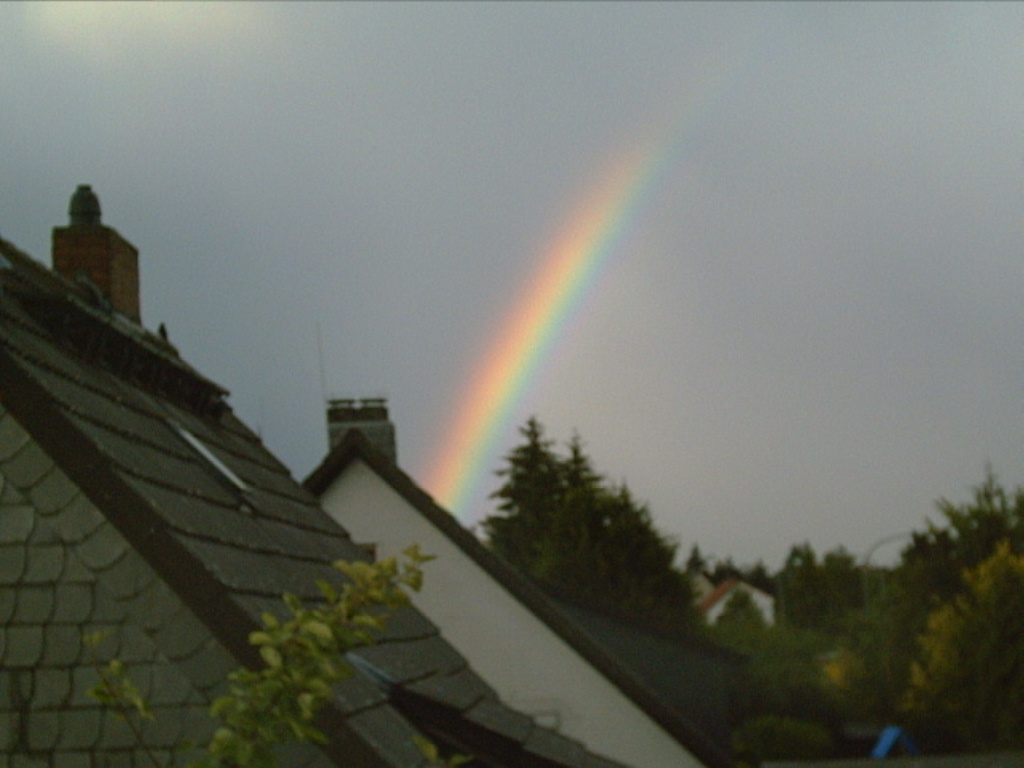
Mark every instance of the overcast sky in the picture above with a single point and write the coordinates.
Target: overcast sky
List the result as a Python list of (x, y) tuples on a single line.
[(813, 331)]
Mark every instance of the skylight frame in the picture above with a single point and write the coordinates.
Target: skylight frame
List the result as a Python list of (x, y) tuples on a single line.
[(198, 446)]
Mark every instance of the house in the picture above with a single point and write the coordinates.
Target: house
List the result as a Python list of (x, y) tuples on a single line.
[(134, 502), (569, 666), (712, 599)]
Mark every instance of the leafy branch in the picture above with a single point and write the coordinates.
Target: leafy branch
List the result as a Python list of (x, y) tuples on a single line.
[(117, 691), (303, 657)]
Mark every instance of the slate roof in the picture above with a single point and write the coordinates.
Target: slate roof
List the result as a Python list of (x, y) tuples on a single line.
[(602, 648), (692, 678), (192, 496)]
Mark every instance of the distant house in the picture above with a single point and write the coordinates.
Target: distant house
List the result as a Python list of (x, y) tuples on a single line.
[(134, 502), (712, 599), (639, 697)]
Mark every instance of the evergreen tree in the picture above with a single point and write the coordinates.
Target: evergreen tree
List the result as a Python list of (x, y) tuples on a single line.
[(820, 594), (695, 563), (563, 525), (532, 484)]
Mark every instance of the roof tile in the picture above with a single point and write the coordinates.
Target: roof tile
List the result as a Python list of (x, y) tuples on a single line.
[(354, 694), (45, 564), (62, 645), (102, 548), (27, 465), (407, 624), (128, 577), (13, 561), (179, 470), (98, 399), (67, 759), (112, 731), (52, 492), (35, 604), (460, 690), (12, 437), (151, 612), (77, 520), (182, 635), (27, 761), (43, 731), (256, 573), (294, 512), (164, 685), (133, 647), (75, 571), (208, 667), (81, 727), (22, 646), (52, 688), (16, 523), (74, 604), (389, 735), (402, 662), (8, 603), (495, 716)]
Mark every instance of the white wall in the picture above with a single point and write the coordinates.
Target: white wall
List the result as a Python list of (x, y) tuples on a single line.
[(764, 603), (531, 667)]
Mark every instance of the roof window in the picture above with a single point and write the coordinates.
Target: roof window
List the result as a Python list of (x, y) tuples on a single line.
[(213, 461)]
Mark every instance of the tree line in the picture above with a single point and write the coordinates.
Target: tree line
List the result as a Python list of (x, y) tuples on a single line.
[(934, 643)]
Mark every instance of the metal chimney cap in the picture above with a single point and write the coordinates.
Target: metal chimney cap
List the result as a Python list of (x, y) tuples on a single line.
[(85, 206)]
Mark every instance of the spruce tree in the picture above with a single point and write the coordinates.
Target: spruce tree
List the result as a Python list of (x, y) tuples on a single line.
[(562, 524), (532, 484)]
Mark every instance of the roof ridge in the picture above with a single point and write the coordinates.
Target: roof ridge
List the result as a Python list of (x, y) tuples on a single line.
[(121, 347)]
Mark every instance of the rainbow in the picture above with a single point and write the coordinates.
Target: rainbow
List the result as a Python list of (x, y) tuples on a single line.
[(577, 257), (569, 268)]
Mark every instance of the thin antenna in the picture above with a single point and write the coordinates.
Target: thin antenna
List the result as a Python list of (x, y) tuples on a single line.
[(320, 350)]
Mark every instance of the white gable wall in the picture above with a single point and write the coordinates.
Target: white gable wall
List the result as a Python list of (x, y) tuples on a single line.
[(531, 667), (764, 603)]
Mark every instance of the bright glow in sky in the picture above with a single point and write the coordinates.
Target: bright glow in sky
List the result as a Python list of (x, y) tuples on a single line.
[(812, 331)]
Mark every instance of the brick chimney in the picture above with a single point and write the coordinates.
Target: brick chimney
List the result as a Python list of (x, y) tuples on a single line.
[(369, 415), (88, 248)]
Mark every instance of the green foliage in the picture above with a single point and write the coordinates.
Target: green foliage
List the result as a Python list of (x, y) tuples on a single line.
[(303, 657), (784, 674), (780, 738), (863, 668), (880, 645), (969, 678), (565, 526), (819, 594), (935, 643), (695, 562), (118, 692), (277, 703), (115, 689)]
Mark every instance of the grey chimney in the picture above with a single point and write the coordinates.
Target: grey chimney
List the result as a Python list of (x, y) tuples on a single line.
[(369, 415)]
